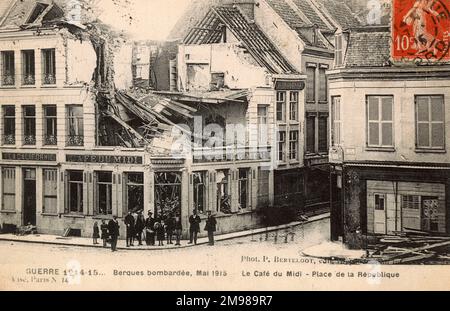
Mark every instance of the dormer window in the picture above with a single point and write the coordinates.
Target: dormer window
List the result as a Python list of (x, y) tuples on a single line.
[(39, 8)]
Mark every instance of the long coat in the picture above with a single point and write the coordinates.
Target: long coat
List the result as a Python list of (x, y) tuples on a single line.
[(195, 221), (211, 224), (113, 228)]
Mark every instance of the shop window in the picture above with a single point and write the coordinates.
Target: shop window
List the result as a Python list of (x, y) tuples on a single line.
[(336, 120), (9, 189), (293, 106), (281, 106), (75, 125), (134, 192), (50, 188), (103, 189), (48, 67), (200, 191), (380, 201), (8, 68), (75, 192), (9, 125), (263, 125), (430, 122), (323, 134), (293, 145), (50, 126), (244, 188), (311, 84), (29, 121), (281, 142), (380, 121), (28, 67), (167, 194), (223, 191), (311, 134)]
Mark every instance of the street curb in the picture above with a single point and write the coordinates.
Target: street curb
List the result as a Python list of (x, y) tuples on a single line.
[(224, 237)]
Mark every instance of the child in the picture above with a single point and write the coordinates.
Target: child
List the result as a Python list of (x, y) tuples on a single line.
[(160, 233), (105, 234), (96, 234)]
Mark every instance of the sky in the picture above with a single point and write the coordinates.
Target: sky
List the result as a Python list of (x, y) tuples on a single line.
[(151, 19)]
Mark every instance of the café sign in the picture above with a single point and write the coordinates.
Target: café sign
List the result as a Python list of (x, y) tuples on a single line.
[(104, 159), (44, 157)]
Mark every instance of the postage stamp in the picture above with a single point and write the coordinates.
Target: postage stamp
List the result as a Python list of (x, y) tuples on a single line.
[(420, 30)]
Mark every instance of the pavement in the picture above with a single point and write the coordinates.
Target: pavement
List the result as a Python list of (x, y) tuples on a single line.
[(87, 242)]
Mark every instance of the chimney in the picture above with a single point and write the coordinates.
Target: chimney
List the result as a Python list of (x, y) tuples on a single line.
[(247, 7)]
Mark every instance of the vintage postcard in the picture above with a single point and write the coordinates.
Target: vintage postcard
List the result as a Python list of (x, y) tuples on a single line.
[(225, 145)]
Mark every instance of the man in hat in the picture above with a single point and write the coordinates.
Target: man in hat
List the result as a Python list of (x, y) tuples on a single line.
[(130, 223), (113, 228), (194, 229), (211, 224), (150, 229)]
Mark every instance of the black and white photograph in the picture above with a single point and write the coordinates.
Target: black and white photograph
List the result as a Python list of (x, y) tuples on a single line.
[(180, 145)]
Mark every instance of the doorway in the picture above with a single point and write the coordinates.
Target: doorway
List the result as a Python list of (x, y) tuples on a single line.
[(29, 196)]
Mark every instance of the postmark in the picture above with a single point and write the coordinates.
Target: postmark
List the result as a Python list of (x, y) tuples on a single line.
[(420, 30)]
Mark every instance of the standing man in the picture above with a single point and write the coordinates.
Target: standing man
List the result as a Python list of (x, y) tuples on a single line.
[(150, 229), (211, 224), (194, 229), (113, 228), (129, 222)]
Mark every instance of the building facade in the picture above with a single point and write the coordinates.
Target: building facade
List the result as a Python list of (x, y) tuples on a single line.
[(390, 124)]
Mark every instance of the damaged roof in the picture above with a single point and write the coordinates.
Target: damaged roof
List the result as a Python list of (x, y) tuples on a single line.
[(210, 30), (368, 47), (339, 11), (296, 22)]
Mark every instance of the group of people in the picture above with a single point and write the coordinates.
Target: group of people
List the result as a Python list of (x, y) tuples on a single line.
[(152, 229)]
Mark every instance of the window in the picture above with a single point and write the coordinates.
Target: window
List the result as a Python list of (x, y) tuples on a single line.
[(323, 134), (339, 50), (28, 67), (411, 202), (200, 191), (75, 126), (380, 121), (104, 192), (293, 145), (134, 192), (281, 106), (9, 189), (50, 188), (8, 68), (311, 84), (167, 194), (430, 122), (263, 125), (223, 191), (380, 200), (311, 134), (293, 106), (336, 120), (48, 66), (29, 123), (9, 125), (50, 126), (75, 192), (244, 188), (281, 141), (323, 88)]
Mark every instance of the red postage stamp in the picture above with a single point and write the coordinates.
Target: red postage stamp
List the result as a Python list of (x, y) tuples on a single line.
[(420, 30)]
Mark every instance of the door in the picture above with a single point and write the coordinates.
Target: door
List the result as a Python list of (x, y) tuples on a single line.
[(380, 213), (393, 214), (29, 196)]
